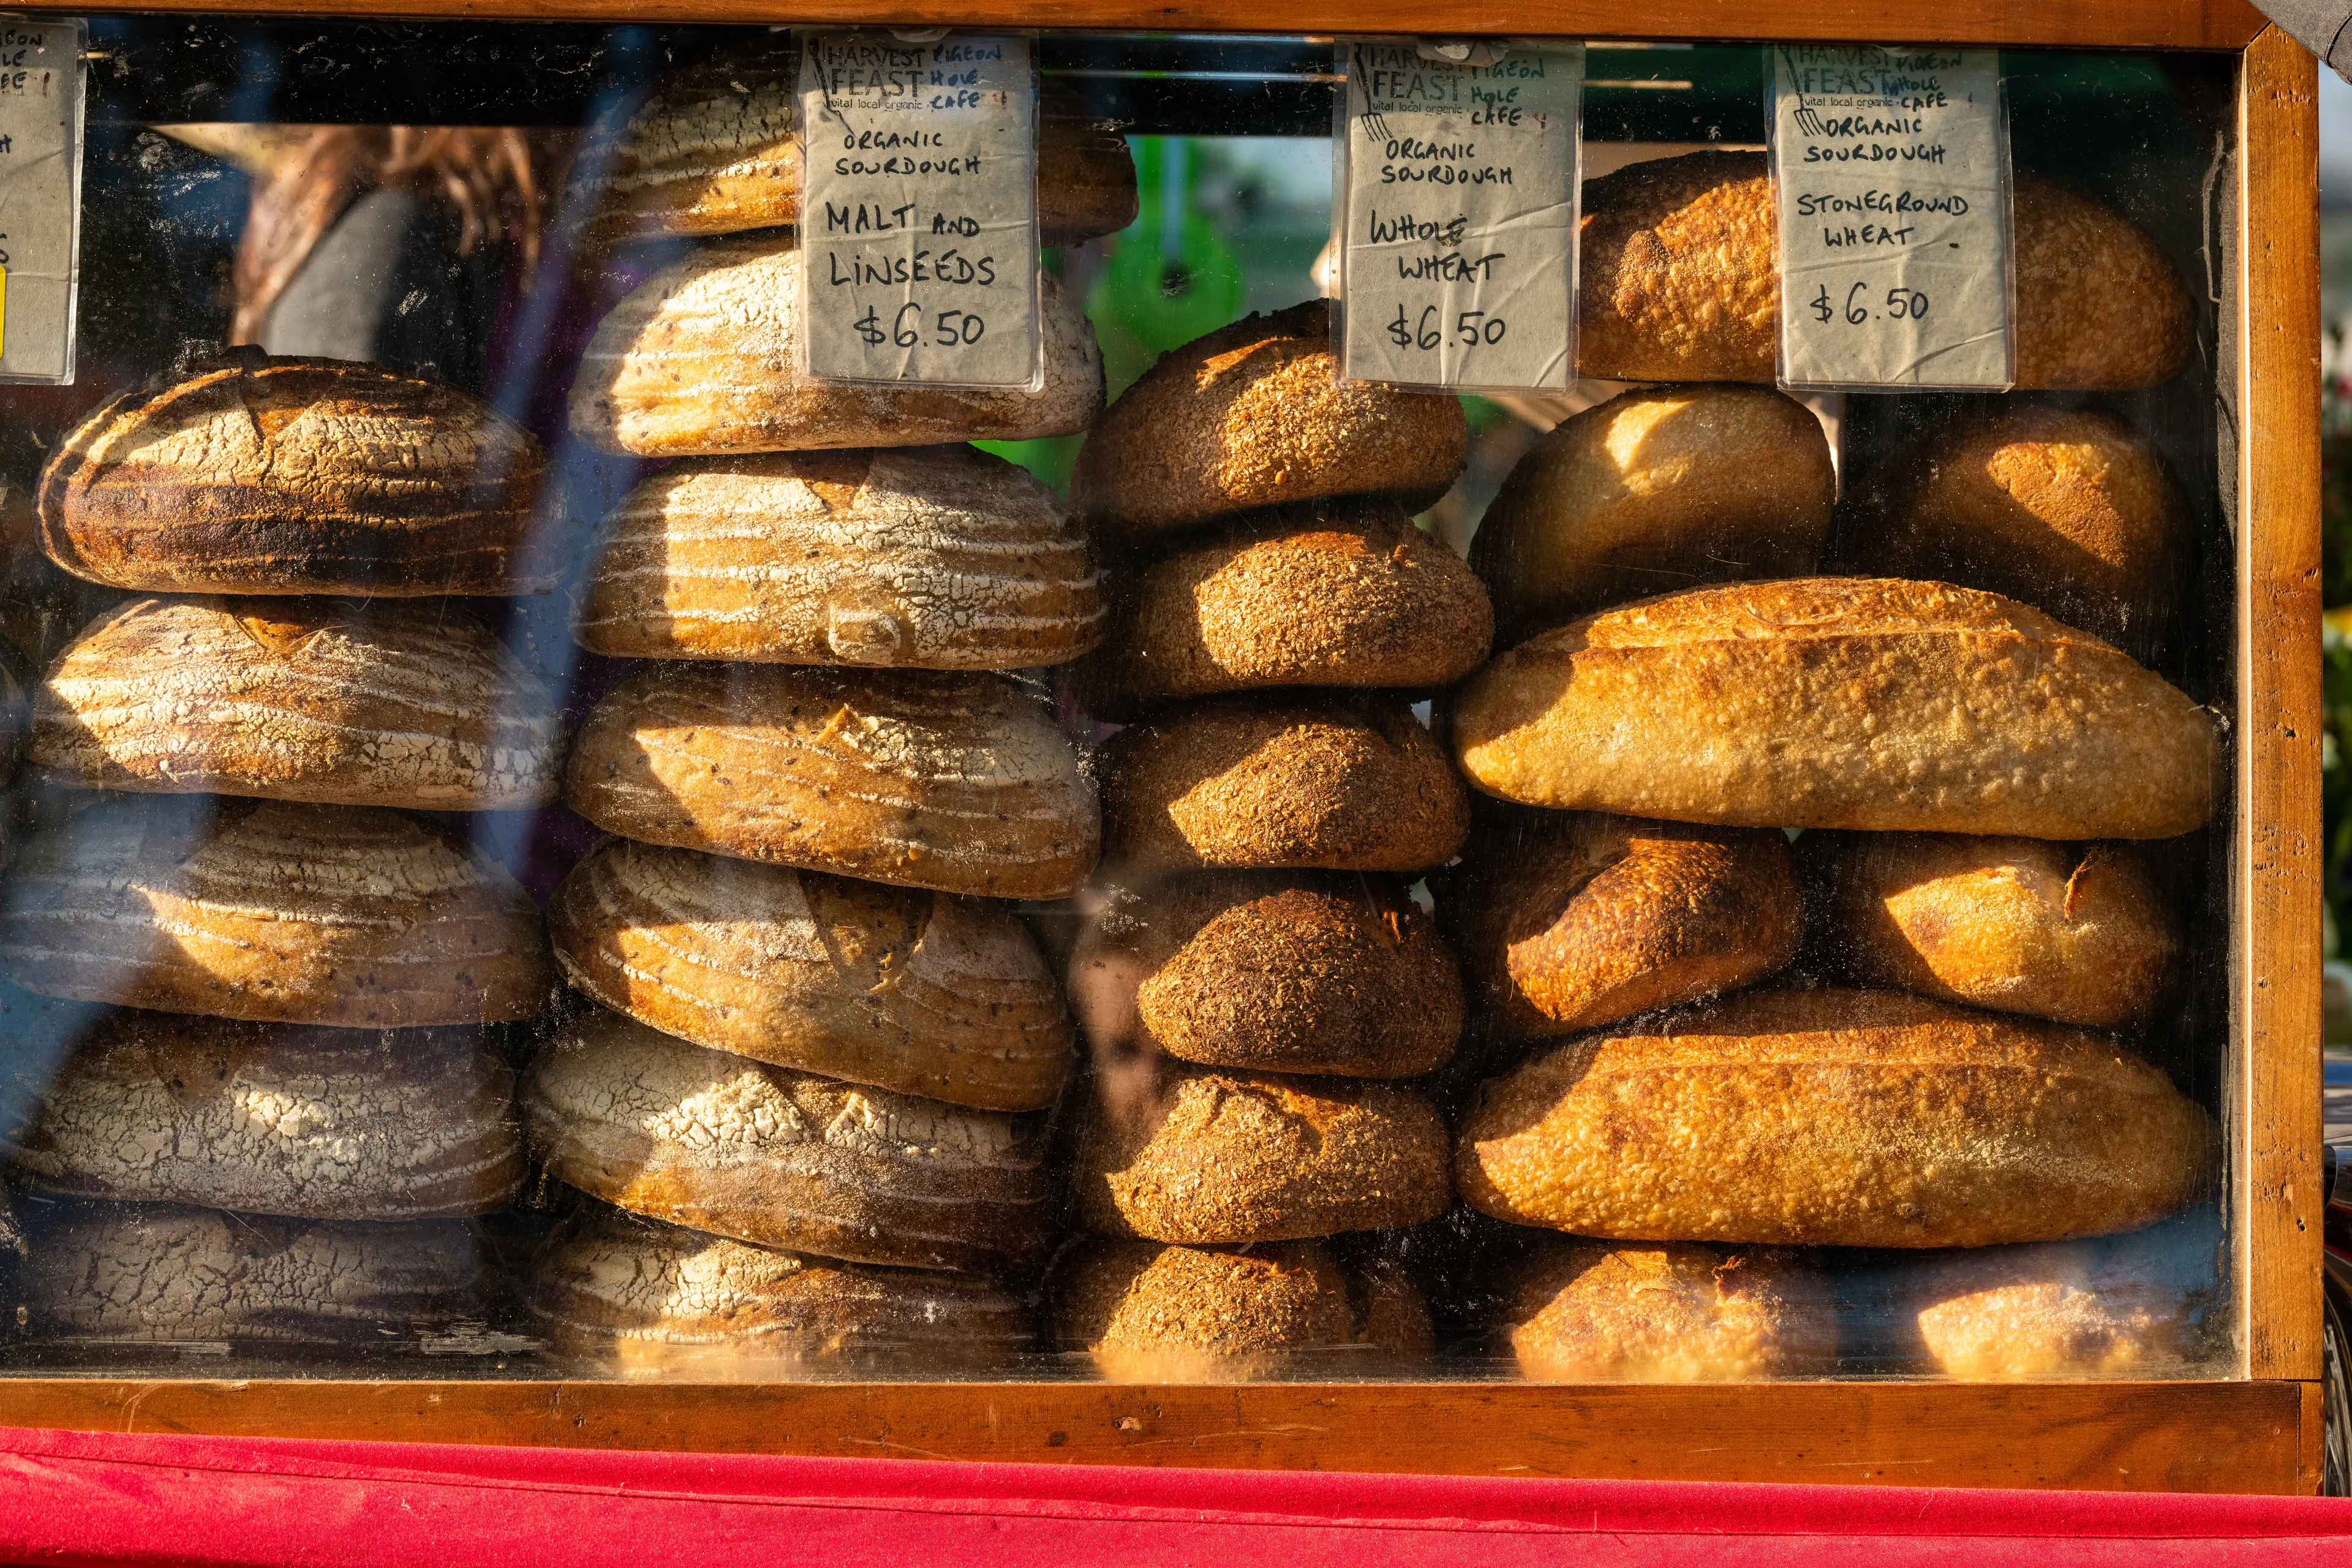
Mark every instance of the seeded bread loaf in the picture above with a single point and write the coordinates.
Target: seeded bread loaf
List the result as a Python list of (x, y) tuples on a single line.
[(1586, 1311)]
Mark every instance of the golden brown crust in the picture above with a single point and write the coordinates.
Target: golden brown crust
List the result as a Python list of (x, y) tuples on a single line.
[(918, 992), (2076, 932), (1274, 972), (2058, 1310), (725, 1144), (1679, 280), (1657, 489), (959, 782), (1835, 1119), (1254, 415), (1342, 782), (1203, 1157), (1152, 1313), (1582, 1312), (289, 476), (1859, 702), (925, 558), (351, 916), (280, 1119), (1571, 920), (330, 701)]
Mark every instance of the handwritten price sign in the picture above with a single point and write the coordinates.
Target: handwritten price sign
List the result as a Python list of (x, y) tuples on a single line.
[(40, 196)]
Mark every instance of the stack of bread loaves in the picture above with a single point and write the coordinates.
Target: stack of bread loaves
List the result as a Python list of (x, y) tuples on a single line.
[(1258, 983), (295, 967)]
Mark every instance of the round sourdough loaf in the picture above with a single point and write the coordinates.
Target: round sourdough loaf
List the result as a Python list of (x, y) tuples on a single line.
[(1272, 972), (1347, 781), (643, 1297), (351, 916), (337, 701), (1835, 1119), (1255, 415), (959, 783), (704, 358), (739, 1148), (1655, 490), (1206, 1157), (291, 476), (280, 1119), (920, 992), (96, 1275), (926, 558), (2069, 1309), (2076, 932), (1859, 702), (1568, 920), (1338, 593), (1585, 1312), (1680, 280)]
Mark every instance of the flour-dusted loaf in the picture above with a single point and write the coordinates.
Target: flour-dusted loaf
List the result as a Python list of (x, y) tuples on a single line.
[(927, 558), (1276, 972), (1680, 280), (1568, 920), (2069, 1309), (291, 476), (1859, 702), (2079, 933), (351, 916), (1254, 414), (764, 1154), (1836, 1118), (1212, 1157), (1337, 594), (1588, 1311), (635, 1295), (921, 992), (1657, 489), (101, 1275), (339, 702), (704, 358), (281, 1119), (959, 783), (1346, 782)]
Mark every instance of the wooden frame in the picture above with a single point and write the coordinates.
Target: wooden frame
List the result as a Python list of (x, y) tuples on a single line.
[(2259, 1434)]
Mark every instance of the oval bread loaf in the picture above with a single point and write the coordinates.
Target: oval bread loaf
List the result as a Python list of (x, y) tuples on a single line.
[(959, 782), (927, 558), (1585, 1312), (703, 359), (1859, 702), (291, 476), (918, 992), (351, 916), (335, 701), (725, 1144), (1835, 1119), (2069, 1309)]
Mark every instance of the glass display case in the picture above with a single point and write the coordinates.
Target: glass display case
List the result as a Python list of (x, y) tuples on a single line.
[(571, 879)]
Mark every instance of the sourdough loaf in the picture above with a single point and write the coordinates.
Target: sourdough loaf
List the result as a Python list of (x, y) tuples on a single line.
[(1859, 702), (930, 558), (918, 992), (959, 782), (1586, 1311), (2069, 1309)]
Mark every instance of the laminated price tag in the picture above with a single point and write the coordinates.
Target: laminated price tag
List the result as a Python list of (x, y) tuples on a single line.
[(1891, 171), (40, 196), (1457, 225), (919, 209)]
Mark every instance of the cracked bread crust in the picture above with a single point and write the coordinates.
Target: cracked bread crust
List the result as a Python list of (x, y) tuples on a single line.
[(739, 1148), (1581, 1311)]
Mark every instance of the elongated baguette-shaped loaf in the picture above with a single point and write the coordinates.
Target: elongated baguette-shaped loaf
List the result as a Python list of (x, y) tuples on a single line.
[(1586, 1311), (959, 782), (1859, 702), (929, 558), (738, 1148), (280, 1119), (1835, 1119), (704, 358), (351, 916), (288, 476), (920, 992), (331, 700)]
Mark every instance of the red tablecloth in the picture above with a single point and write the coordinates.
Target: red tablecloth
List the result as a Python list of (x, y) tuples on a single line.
[(86, 1497)]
